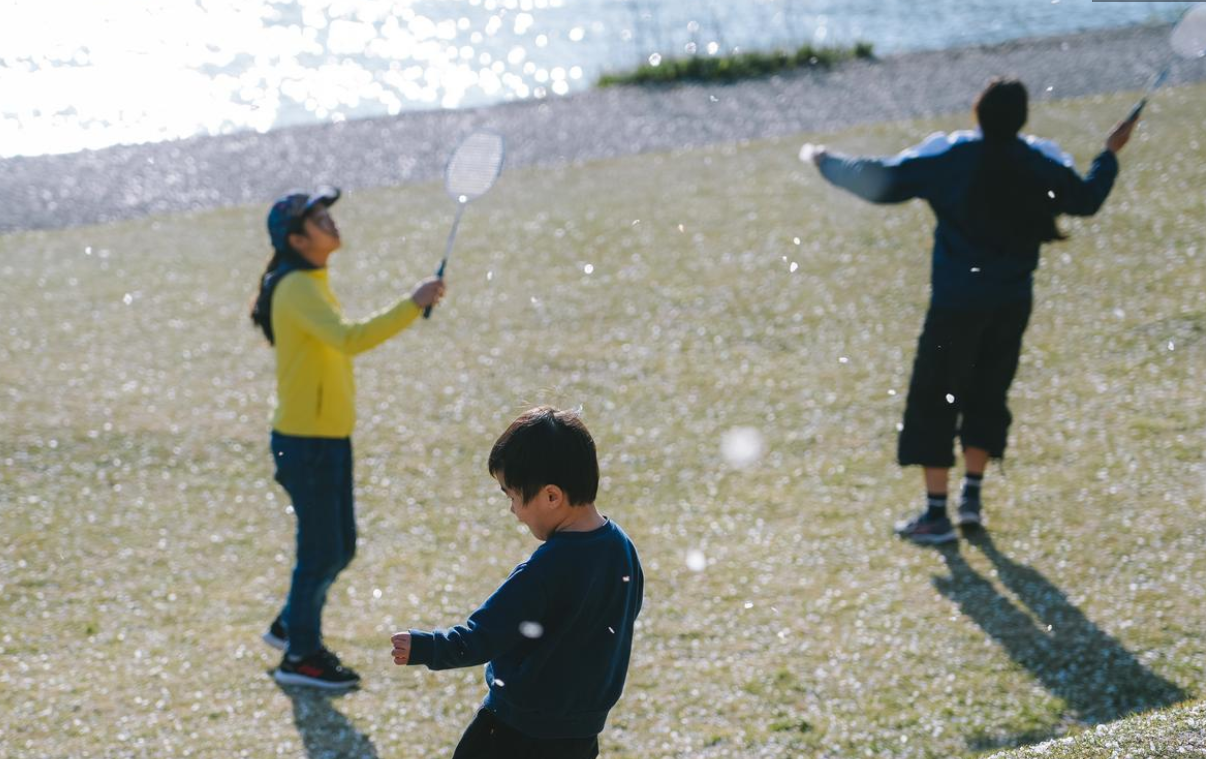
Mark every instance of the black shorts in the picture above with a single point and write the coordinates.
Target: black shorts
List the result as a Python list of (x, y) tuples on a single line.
[(965, 364), (489, 738)]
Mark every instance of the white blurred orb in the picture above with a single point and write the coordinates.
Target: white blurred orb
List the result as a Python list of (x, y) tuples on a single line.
[(696, 561), (531, 630), (741, 446)]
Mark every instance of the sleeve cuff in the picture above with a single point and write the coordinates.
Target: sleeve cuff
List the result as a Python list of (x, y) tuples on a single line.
[(410, 308), (422, 648), (825, 166)]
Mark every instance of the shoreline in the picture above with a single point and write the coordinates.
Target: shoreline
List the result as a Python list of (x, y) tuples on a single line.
[(206, 172)]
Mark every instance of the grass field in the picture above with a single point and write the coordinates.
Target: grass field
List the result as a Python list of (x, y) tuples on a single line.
[(145, 547), (1176, 731)]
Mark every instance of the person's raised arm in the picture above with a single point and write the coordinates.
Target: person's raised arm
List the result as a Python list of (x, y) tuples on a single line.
[(1084, 197), (305, 302), (879, 180)]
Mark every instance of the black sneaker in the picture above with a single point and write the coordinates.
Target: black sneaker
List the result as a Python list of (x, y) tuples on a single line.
[(927, 530), (970, 513), (276, 635), (321, 669)]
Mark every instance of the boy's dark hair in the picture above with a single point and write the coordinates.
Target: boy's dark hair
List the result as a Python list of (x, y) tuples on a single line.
[(1008, 201), (545, 446), (1002, 108)]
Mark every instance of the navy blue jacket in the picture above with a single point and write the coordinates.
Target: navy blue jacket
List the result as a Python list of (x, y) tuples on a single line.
[(557, 635), (969, 269)]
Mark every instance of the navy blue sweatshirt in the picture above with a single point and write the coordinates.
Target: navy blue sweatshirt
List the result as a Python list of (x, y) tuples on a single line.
[(557, 635), (970, 270)]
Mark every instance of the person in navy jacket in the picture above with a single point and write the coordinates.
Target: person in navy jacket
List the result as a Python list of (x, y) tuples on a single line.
[(996, 195), (556, 637)]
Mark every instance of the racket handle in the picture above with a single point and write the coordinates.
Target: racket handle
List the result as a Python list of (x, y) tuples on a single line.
[(440, 274), (1155, 85), (1138, 109)]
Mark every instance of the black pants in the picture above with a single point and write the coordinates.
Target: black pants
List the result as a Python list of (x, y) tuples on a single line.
[(965, 364), (488, 738)]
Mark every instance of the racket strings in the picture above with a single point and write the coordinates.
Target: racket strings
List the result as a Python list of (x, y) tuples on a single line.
[(475, 166), (1189, 35)]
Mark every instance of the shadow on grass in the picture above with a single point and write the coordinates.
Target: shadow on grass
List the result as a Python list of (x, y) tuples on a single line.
[(325, 731), (1076, 661)]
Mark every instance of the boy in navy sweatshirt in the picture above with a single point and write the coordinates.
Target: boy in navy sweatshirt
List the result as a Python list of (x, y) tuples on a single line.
[(557, 635)]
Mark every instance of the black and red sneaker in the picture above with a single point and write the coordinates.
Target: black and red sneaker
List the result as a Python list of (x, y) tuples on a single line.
[(927, 530), (321, 669)]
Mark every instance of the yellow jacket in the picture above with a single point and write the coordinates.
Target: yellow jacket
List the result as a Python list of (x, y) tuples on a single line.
[(314, 348)]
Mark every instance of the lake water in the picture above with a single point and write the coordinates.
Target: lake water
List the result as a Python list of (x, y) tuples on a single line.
[(79, 74)]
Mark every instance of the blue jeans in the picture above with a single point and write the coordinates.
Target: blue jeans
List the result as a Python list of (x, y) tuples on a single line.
[(317, 475)]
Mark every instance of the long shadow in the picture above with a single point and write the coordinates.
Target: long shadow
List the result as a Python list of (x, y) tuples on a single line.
[(1074, 659), (325, 732)]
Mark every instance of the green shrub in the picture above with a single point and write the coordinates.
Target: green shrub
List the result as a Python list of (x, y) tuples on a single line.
[(729, 68)]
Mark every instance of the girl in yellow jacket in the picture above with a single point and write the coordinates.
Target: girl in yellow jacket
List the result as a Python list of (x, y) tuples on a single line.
[(315, 413)]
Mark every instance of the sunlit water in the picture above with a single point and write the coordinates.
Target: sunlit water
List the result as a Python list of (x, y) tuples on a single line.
[(78, 74)]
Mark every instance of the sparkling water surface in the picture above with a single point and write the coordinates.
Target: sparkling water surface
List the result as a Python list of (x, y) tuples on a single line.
[(80, 74)]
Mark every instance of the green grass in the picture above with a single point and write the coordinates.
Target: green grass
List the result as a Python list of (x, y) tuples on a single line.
[(734, 67), (1178, 731), (145, 547)]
